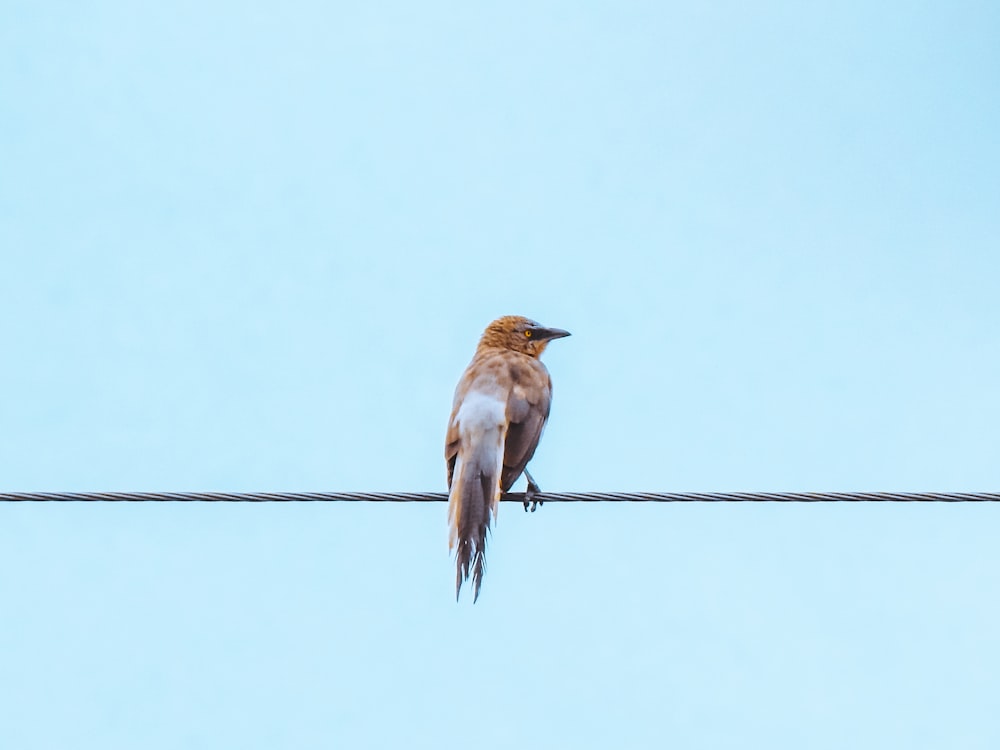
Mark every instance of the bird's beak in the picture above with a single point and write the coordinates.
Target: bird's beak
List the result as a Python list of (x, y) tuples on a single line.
[(540, 333)]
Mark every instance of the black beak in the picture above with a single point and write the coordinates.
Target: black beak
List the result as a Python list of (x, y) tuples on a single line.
[(540, 333)]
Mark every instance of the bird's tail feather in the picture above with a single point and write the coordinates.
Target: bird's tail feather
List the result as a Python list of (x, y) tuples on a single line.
[(472, 504)]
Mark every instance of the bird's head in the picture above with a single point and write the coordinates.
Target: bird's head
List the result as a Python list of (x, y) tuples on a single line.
[(519, 334)]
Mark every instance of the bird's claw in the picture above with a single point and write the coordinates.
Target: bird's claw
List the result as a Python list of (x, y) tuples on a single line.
[(531, 496)]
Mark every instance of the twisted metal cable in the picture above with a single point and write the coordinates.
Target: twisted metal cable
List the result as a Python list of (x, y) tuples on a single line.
[(518, 497)]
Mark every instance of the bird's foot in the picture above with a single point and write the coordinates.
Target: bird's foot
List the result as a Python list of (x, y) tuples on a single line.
[(531, 495)]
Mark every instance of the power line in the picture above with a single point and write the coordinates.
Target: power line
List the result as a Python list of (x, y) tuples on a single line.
[(518, 497)]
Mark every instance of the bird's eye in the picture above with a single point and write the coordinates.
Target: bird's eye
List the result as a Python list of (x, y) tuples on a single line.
[(527, 334)]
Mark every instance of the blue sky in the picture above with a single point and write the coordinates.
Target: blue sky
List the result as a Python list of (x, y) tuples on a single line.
[(250, 247)]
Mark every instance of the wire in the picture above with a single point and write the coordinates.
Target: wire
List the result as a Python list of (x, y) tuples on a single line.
[(518, 497)]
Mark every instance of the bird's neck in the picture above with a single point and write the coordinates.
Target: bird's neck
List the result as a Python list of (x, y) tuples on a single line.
[(531, 349)]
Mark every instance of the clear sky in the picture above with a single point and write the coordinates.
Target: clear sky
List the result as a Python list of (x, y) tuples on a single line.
[(251, 246)]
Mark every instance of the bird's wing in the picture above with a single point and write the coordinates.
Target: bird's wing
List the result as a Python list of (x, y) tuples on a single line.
[(527, 409), (451, 452)]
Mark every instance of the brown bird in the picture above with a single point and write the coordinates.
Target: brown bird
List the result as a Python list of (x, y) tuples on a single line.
[(500, 407)]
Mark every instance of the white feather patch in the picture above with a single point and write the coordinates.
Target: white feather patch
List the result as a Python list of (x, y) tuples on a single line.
[(480, 413), (482, 429)]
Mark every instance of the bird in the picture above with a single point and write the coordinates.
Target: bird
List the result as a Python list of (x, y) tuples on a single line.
[(501, 404)]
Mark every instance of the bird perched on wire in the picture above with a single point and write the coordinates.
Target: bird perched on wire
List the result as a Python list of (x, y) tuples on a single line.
[(500, 407)]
